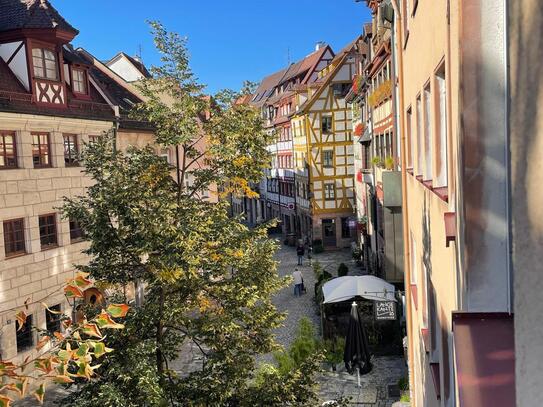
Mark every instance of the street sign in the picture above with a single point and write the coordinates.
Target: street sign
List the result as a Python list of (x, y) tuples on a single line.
[(385, 311)]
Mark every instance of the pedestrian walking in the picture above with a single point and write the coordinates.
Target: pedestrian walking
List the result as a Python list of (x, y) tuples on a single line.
[(300, 251), (298, 282)]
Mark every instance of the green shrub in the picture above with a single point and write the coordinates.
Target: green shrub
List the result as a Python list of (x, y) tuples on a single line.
[(334, 350), (317, 246), (403, 383), (342, 270), (304, 346)]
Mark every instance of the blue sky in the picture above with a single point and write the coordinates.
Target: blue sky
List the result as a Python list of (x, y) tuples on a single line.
[(229, 40)]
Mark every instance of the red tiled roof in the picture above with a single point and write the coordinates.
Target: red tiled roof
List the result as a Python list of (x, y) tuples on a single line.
[(17, 14)]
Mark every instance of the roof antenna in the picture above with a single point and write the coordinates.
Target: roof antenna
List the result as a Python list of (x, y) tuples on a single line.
[(138, 55)]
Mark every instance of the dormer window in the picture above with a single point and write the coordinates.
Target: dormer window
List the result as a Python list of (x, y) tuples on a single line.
[(45, 64), (79, 78)]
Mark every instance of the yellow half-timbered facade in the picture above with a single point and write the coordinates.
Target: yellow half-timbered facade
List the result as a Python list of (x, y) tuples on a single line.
[(323, 156)]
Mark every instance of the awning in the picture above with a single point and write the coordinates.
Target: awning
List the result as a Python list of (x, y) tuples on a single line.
[(347, 287), (485, 359)]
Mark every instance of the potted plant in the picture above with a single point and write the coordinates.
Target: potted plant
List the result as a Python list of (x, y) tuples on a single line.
[(390, 163), (376, 161)]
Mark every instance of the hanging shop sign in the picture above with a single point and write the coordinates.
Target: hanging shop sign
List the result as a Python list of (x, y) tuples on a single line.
[(385, 311)]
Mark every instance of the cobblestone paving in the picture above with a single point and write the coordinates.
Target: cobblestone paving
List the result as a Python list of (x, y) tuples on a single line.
[(387, 370), (374, 386)]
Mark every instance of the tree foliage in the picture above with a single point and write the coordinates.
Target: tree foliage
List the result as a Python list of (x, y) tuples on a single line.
[(71, 354), (208, 278)]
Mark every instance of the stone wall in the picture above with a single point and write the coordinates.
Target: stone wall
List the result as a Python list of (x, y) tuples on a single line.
[(27, 192)]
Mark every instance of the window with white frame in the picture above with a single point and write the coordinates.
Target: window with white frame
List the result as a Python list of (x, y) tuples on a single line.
[(419, 137), (409, 143), (441, 130), (328, 158), (329, 191), (428, 150)]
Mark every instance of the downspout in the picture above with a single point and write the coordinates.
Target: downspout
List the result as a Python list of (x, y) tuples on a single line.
[(507, 128)]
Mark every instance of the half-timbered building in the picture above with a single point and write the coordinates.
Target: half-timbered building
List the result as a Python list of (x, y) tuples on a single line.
[(322, 130)]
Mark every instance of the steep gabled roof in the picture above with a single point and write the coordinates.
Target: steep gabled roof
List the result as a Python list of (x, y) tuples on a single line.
[(266, 87), (137, 64), (323, 82), (19, 14)]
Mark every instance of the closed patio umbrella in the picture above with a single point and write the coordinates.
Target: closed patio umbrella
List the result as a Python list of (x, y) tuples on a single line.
[(357, 354)]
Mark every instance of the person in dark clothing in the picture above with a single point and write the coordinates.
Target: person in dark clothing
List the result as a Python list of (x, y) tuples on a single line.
[(300, 251)]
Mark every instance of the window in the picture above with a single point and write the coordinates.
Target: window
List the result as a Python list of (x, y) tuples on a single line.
[(52, 318), (8, 154), (419, 136), (14, 237), (40, 150), (94, 139), (427, 135), (45, 64), (328, 158), (441, 131), (76, 232), (70, 150), (79, 79), (165, 154), (409, 141), (48, 231), (345, 228), (25, 337), (329, 191), (326, 125)]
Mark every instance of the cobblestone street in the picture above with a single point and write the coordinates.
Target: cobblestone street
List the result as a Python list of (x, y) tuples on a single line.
[(374, 386), (386, 371)]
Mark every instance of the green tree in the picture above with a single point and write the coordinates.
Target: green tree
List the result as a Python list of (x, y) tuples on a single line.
[(208, 279)]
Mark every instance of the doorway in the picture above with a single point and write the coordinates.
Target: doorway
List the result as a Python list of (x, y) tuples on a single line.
[(329, 232)]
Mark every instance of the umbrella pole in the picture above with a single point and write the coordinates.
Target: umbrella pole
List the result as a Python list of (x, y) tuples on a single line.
[(358, 375)]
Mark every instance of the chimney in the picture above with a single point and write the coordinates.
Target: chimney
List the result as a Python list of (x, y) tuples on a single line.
[(319, 45)]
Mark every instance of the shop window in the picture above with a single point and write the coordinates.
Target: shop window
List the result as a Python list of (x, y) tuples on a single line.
[(14, 237), (25, 335), (48, 231), (8, 152), (40, 150), (345, 228), (70, 150)]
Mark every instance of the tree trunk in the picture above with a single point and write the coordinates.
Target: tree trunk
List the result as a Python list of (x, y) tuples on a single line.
[(159, 337)]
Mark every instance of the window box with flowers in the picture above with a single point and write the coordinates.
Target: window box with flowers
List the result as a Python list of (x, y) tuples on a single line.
[(359, 129), (380, 94), (357, 84)]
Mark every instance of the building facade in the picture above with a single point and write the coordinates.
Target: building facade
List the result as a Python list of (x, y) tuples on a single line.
[(322, 131), (452, 103), (53, 100), (377, 150)]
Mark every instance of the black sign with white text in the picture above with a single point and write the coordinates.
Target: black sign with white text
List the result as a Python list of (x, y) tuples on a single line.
[(385, 311)]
